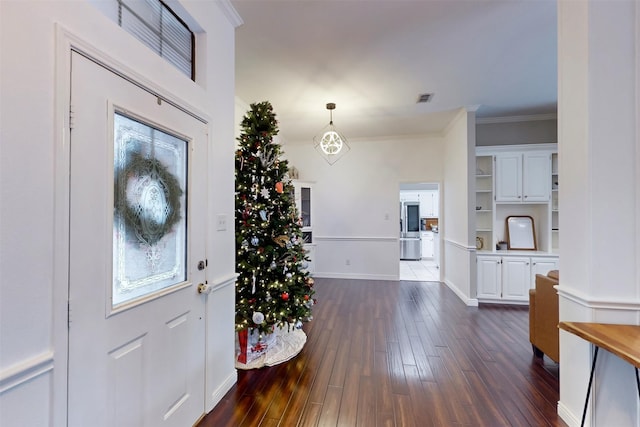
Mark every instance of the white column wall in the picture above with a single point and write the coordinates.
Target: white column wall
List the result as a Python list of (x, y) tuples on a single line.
[(34, 241), (459, 253), (598, 110)]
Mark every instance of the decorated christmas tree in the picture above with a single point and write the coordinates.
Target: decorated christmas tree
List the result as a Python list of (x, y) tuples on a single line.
[(273, 288)]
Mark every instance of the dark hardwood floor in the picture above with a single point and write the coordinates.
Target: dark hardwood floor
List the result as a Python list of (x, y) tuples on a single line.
[(387, 353)]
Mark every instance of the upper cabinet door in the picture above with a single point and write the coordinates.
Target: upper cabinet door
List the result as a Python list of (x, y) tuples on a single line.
[(523, 177), (536, 177), (429, 204), (509, 177)]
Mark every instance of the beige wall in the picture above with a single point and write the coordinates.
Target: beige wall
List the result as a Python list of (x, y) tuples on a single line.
[(356, 200), (517, 130)]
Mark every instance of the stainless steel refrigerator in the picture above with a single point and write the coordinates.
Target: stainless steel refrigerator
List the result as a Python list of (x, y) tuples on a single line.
[(410, 244)]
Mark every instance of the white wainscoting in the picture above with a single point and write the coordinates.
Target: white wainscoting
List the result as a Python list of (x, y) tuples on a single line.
[(353, 257), (457, 264), (25, 392), (220, 369), (580, 298), (614, 399)]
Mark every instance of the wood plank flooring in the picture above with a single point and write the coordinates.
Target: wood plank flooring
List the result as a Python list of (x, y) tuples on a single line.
[(403, 354)]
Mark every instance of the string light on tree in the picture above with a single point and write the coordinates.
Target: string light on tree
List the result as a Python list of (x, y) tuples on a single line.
[(272, 283)]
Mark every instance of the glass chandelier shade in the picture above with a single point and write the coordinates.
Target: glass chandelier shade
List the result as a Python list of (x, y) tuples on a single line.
[(330, 143)]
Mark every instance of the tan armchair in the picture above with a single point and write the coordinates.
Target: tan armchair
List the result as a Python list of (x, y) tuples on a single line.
[(543, 316)]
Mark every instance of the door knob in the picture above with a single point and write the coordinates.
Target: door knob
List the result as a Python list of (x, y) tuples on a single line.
[(204, 288)]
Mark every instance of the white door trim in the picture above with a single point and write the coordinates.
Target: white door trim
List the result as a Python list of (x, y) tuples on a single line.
[(65, 43)]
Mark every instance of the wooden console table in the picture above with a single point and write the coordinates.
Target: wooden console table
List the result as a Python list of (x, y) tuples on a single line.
[(621, 340)]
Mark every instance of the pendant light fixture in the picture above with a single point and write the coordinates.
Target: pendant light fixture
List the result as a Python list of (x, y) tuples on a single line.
[(329, 142)]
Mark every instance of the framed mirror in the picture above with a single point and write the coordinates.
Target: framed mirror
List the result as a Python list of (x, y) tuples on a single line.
[(521, 234)]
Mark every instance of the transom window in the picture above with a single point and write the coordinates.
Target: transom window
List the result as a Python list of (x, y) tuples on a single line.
[(160, 28)]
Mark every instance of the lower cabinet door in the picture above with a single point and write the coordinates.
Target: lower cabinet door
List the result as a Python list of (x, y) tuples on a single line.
[(516, 278), (427, 245), (542, 266), (489, 275)]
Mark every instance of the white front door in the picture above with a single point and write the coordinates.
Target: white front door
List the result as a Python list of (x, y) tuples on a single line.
[(137, 235)]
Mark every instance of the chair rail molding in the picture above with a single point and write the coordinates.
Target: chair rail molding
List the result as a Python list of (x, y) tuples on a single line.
[(355, 238), (460, 245), (25, 371), (585, 300), (223, 282)]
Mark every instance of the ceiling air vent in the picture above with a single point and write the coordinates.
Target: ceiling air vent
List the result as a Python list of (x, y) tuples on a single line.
[(425, 97)]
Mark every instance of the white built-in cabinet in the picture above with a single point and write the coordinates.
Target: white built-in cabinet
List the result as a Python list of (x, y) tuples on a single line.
[(542, 265), (507, 277), (515, 180), (303, 192), (502, 278), (485, 202), (489, 280), (523, 177)]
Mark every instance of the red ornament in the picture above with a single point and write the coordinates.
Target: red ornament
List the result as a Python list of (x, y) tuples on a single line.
[(306, 297), (285, 296), (279, 187)]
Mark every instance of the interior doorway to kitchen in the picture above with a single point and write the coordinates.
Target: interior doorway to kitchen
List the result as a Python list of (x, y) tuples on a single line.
[(419, 228)]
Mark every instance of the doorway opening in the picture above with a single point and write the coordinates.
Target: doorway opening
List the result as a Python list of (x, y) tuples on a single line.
[(419, 205)]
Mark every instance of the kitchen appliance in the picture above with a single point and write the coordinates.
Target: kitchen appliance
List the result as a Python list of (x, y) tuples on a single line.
[(410, 243)]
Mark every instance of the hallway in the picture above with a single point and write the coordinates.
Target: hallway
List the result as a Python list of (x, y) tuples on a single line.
[(401, 353)]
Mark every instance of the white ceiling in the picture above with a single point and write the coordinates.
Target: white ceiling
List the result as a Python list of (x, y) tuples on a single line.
[(374, 57)]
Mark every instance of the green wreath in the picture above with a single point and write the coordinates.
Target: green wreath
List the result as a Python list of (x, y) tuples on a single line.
[(155, 207)]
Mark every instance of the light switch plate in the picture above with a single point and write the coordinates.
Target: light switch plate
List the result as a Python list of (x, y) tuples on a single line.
[(221, 222)]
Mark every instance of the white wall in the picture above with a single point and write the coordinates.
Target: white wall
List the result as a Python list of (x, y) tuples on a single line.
[(356, 201), (598, 142), (459, 187), (33, 334)]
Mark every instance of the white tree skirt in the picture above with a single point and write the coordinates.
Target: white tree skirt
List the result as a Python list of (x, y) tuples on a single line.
[(286, 346)]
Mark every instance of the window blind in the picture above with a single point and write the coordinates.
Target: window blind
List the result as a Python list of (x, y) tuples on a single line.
[(157, 26)]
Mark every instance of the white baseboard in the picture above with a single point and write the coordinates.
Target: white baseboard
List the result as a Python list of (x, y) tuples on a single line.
[(361, 276), (567, 416), (471, 302), (219, 393)]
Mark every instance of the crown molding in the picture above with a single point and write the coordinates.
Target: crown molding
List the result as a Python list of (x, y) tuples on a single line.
[(230, 12)]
